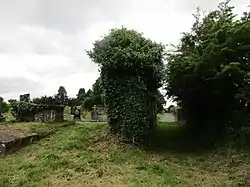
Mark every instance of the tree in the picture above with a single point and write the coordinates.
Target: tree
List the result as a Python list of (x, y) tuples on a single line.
[(81, 95), (160, 102), (94, 96), (61, 98), (73, 102), (47, 100), (25, 97), (208, 72), (12, 100), (3, 106), (131, 73)]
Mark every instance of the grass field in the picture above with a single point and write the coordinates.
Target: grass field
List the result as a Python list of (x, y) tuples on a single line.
[(86, 155)]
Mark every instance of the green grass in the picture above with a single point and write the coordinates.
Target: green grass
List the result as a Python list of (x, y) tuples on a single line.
[(9, 116), (87, 155), (160, 116)]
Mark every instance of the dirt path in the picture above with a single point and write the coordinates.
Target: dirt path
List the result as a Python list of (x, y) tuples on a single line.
[(168, 117)]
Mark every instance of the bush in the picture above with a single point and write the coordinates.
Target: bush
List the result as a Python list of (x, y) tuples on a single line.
[(131, 73)]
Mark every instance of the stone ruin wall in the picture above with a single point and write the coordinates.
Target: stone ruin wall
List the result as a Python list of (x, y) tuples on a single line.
[(48, 116)]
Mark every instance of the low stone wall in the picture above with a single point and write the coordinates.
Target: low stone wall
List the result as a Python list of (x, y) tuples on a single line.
[(49, 115)]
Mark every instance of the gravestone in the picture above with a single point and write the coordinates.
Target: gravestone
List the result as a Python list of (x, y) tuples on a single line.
[(77, 114), (94, 114)]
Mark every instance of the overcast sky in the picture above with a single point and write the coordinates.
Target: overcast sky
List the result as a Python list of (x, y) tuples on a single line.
[(43, 42)]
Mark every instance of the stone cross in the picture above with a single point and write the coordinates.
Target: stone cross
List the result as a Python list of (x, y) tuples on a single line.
[(94, 114)]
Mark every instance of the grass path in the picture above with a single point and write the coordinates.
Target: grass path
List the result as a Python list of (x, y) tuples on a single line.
[(85, 155)]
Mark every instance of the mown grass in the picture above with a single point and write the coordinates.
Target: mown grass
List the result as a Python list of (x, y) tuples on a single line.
[(87, 155)]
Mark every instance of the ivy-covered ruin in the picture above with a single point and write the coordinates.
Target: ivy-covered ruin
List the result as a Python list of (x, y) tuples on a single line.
[(30, 112)]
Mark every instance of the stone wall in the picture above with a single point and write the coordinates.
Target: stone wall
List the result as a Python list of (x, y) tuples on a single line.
[(49, 115)]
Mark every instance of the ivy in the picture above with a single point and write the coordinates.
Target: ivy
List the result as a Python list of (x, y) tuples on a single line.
[(131, 73), (22, 110)]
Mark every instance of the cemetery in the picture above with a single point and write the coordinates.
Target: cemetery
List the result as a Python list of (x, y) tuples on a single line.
[(118, 133)]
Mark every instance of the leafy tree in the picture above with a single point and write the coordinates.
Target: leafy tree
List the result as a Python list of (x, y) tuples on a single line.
[(12, 100), (25, 97), (160, 102), (3, 106), (131, 73), (48, 100), (94, 96), (73, 102), (89, 92), (208, 72), (61, 98), (81, 95)]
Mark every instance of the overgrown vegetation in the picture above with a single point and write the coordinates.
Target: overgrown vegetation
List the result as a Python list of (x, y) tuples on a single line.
[(90, 156), (3, 107), (131, 73), (208, 73), (23, 111)]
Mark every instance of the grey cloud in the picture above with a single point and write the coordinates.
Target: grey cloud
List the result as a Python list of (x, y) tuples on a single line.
[(77, 14), (189, 6), (82, 65), (62, 15), (17, 85)]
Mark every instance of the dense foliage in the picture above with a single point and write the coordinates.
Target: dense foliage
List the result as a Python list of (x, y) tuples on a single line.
[(160, 102), (81, 95), (60, 98), (24, 111), (131, 73), (209, 72), (3, 106), (94, 96), (49, 100), (25, 97)]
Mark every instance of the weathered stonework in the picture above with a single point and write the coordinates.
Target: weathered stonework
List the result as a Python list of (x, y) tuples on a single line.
[(49, 115), (45, 113)]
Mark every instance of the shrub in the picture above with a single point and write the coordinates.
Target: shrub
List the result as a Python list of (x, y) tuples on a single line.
[(131, 73)]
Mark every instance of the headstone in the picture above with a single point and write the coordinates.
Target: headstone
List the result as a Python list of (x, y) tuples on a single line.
[(77, 114), (94, 114)]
